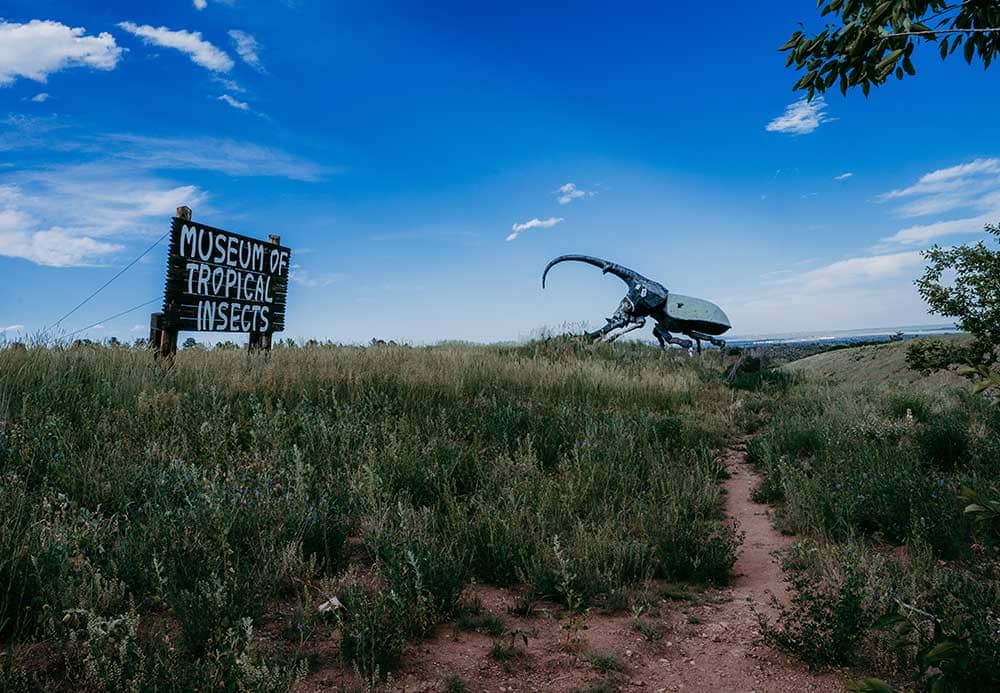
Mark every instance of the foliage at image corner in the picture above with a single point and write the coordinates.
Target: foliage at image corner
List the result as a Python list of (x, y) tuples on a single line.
[(869, 41)]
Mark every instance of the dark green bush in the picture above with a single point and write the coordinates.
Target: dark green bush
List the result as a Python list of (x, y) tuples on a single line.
[(374, 629), (825, 624)]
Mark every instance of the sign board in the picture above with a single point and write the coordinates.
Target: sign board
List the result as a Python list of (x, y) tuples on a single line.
[(219, 281)]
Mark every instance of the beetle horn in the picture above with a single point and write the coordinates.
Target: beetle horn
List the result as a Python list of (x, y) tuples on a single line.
[(623, 273)]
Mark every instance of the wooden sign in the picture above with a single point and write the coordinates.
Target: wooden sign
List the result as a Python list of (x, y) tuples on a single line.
[(220, 281)]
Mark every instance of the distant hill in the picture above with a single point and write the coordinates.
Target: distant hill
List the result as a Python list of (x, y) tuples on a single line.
[(882, 364)]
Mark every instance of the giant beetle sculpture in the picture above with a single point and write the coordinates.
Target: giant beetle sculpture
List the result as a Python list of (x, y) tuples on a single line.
[(696, 318)]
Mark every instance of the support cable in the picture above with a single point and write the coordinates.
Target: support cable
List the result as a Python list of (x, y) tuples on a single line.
[(116, 315), (105, 284)]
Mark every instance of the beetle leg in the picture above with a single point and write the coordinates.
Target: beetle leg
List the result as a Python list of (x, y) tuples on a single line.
[(636, 325), (666, 338)]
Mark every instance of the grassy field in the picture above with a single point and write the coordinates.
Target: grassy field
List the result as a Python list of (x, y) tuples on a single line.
[(151, 518)]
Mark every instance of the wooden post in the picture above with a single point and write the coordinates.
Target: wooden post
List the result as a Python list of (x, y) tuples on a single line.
[(261, 341), (162, 328)]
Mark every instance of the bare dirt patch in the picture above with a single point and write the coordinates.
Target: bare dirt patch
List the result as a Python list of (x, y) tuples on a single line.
[(680, 641)]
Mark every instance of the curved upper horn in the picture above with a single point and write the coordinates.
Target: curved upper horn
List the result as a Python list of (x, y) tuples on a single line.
[(623, 273)]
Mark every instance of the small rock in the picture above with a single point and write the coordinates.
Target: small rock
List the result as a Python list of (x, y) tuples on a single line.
[(329, 605), (628, 653)]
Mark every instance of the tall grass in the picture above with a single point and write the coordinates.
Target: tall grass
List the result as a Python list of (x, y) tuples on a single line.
[(197, 497), (874, 481)]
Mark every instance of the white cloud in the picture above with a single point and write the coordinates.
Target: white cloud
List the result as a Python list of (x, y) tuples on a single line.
[(518, 229), (189, 42), (40, 98), (857, 270), (12, 328), (246, 47), (923, 233), (569, 192), (37, 49), (241, 105), (200, 4), (21, 237), (975, 185), (801, 117), (78, 215), (844, 176)]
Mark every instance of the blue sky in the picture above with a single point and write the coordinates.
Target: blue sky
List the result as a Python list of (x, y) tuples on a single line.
[(398, 147)]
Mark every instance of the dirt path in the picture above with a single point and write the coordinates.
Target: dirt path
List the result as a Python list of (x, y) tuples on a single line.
[(697, 641), (731, 658)]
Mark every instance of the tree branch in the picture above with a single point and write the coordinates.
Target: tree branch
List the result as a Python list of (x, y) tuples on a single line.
[(942, 31)]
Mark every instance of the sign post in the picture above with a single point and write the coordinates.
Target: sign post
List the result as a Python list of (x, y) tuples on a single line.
[(220, 281)]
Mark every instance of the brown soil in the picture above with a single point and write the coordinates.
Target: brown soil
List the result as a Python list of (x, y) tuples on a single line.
[(708, 641)]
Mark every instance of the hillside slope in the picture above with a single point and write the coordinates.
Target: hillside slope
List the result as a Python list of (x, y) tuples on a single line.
[(881, 364)]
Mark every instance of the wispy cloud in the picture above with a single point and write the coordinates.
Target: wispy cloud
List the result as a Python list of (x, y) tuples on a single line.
[(924, 233), (37, 49), (229, 84), (313, 280), (239, 105), (844, 176), (231, 157), (246, 48), (856, 270), (200, 4), (190, 43), (40, 98), (12, 328), (972, 187), (518, 229), (569, 192), (975, 184), (801, 117)]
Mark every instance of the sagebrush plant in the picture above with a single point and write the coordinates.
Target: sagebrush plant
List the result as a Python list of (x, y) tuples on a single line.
[(203, 494)]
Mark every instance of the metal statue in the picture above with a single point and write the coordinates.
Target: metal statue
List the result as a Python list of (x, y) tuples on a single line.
[(696, 318)]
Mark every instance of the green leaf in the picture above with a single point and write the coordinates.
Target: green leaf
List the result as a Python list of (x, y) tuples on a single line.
[(941, 651), (869, 685), (970, 48), (791, 43), (889, 59), (886, 621)]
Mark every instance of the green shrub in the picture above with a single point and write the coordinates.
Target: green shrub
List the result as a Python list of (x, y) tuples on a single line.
[(825, 623), (373, 629)]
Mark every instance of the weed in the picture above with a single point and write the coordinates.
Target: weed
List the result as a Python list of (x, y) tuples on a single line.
[(645, 629), (453, 683), (605, 662)]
